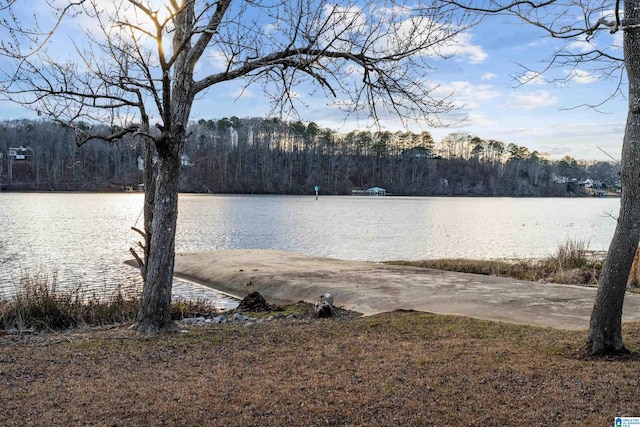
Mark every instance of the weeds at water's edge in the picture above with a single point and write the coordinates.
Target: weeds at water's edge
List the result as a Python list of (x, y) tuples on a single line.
[(40, 305), (572, 264)]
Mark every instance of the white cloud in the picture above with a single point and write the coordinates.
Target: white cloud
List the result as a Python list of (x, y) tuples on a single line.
[(466, 94), (472, 122), (442, 38), (581, 77), (461, 45), (346, 27), (353, 70), (531, 101), (343, 24), (488, 76), (580, 138), (617, 43), (581, 45), (241, 93), (531, 77), (479, 92), (534, 44), (270, 28), (214, 61)]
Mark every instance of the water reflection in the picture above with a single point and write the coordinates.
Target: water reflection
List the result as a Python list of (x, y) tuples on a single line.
[(375, 229), (85, 238)]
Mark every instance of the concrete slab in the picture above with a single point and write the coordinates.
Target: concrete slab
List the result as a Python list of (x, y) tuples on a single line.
[(372, 288)]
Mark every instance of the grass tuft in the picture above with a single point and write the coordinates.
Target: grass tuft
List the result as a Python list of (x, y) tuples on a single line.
[(571, 264), (183, 308), (571, 254)]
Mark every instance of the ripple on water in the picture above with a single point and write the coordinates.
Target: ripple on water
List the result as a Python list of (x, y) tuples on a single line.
[(85, 238)]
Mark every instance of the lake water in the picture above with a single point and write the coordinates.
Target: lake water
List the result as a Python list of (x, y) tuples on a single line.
[(85, 238)]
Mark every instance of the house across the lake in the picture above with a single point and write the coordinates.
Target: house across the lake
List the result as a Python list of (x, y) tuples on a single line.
[(184, 161), (19, 159), (20, 153), (375, 191)]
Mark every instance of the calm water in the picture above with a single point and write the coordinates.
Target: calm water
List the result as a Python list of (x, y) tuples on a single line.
[(85, 238)]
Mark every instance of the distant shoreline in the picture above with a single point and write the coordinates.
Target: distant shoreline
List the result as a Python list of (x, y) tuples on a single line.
[(609, 195)]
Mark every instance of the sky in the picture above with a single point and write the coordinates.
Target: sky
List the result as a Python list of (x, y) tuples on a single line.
[(485, 77)]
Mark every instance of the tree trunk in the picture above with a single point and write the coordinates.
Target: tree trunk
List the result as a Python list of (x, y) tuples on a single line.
[(605, 329), (155, 310), (177, 99)]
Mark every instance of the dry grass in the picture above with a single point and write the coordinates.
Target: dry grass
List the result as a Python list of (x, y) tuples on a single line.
[(40, 305), (572, 264), (392, 369), (395, 369)]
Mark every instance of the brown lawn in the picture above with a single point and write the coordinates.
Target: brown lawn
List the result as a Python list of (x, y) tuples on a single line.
[(403, 369)]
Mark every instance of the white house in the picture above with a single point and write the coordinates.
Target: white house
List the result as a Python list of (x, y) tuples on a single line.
[(20, 153), (184, 161), (375, 191)]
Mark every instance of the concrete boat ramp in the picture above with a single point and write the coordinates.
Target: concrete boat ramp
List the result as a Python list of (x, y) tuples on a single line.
[(372, 288)]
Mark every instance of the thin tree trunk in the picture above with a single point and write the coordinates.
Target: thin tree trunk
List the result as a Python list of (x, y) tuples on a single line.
[(605, 329)]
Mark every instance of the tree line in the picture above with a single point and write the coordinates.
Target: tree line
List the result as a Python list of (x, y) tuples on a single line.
[(272, 156)]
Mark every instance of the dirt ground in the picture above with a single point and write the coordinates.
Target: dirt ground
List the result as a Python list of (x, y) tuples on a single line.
[(393, 369)]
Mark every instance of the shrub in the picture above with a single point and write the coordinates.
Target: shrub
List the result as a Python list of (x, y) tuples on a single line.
[(571, 254)]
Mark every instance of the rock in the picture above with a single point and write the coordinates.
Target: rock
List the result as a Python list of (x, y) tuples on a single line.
[(193, 321), (295, 316), (324, 306), (237, 317), (254, 302)]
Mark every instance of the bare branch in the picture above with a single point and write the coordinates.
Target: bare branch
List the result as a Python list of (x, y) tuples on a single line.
[(208, 31), (496, 8), (14, 26), (138, 260)]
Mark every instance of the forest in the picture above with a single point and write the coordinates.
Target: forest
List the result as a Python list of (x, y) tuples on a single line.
[(272, 156)]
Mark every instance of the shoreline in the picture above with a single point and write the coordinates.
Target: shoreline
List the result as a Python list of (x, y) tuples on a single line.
[(608, 195), (195, 280), (373, 288)]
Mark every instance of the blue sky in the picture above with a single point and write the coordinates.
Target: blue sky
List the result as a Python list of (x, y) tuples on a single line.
[(486, 76), (541, 115), (493, 104)]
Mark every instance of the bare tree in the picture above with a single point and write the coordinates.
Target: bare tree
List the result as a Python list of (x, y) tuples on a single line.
[(370, 57), (455, 145)]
